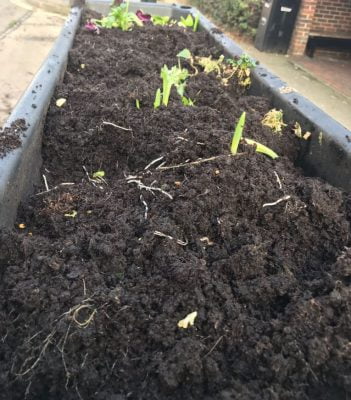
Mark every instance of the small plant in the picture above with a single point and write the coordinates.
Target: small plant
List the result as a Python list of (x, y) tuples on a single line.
[(158, 98), (137, 104), (274, 120), (187, 101), (175, 76), (190, 22), (224, 69), (120, 17), (242, 68), (92, 27), (159, 20), (142, 16), (238, 133), (260, 148)]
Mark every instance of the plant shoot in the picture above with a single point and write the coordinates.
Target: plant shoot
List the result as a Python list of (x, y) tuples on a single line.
[(238, 133)]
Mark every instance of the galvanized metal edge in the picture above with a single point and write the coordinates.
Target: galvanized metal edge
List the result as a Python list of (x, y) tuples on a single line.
[(19, 169)]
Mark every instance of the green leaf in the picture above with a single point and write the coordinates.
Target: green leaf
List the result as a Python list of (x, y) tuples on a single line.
[(157, 101), (196, 22), (185, 54), (158, 20), (99, 174), (187, 22), (187, 101), (261, 148), (238, 133)]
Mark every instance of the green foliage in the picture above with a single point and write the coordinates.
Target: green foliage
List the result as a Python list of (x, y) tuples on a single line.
[(158, 98), (119, 17), (190, 22), (187, 101), (243, 62), (241, 15), (261, 148), (173, 77), (187, 22), (238, 133), (159, 20), (137, 104), (185, 54)]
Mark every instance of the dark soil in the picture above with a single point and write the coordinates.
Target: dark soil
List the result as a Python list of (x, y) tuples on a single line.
[(10, 137), (90, 303)]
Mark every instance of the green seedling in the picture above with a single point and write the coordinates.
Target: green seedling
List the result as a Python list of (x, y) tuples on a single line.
[(158, 98), (242, 68), (187, 101), (190, 22), (187, 22), (274, 120), (119, 17), (260, 148), (98, 174), (162, 21), (137, 104), (238, 133), (185, 53), (173, 77), (196, 22)]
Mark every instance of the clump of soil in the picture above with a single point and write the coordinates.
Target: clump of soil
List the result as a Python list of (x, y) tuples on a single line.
[(94, 283), (10, 137)]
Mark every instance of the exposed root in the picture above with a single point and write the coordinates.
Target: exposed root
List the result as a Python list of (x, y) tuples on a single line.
[(149, 188), (180, 242), (285, 198), (153, 162), (145, 205), (116, 126), (46, 343), (197, 162), (85, 323)]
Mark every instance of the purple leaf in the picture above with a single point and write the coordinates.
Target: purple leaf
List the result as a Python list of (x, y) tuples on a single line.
[(143, 17), (91, 27)]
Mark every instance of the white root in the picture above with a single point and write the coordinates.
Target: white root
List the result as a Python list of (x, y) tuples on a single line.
[(285, 198), (178, 241), (153, 162), (56, 187), (150, 188), (46, 183), (278, 180), (116, 126), (145, 205)]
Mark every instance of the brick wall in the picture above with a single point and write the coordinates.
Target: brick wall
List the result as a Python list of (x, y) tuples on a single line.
[(303, 26), (332, 16), (319, 15)]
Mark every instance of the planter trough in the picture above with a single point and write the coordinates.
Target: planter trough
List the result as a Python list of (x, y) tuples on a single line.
[(139, 258)]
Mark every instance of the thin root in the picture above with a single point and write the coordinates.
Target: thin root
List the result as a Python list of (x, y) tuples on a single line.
[(180, 242), (285, 198), (116, 126)]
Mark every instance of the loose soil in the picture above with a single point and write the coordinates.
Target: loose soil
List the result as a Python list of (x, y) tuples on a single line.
[(90, 303), (10, 137)]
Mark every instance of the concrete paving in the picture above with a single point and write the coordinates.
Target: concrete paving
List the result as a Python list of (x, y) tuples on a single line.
[(26, 37)]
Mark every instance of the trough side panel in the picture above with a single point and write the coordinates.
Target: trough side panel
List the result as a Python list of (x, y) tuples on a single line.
[(19, 169)]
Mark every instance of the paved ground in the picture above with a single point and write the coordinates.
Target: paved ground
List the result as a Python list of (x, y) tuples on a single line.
[(27, 34)]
